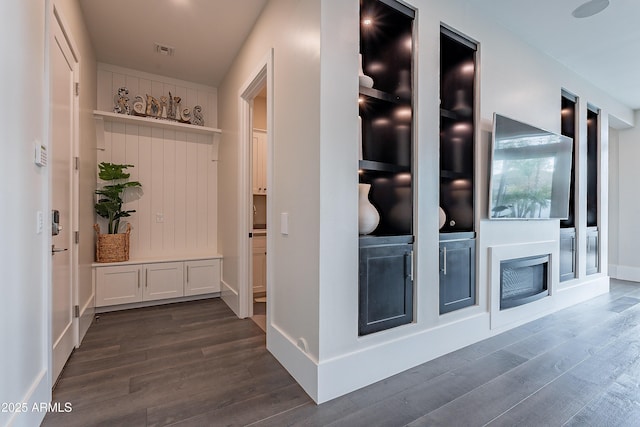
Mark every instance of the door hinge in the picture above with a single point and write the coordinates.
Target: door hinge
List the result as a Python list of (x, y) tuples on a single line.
[(77, 88), (76, 311), (77, 237), (76, 163)]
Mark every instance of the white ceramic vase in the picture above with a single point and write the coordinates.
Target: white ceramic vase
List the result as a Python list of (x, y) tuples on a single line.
[(368, 216), (365, 80)]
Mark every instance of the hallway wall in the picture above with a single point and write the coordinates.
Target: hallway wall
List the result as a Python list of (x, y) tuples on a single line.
[(24, 189)]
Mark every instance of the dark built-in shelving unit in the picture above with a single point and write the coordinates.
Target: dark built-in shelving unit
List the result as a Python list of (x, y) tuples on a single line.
[(386, 112), (457, 156), (568, 116), (593, 157)]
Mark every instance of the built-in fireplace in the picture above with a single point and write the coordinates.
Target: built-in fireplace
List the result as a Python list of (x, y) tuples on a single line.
[(523, 280)]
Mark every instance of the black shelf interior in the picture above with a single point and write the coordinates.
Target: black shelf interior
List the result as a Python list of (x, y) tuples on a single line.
[(386, 110), (457, 154), (568, 128), (592, 168)]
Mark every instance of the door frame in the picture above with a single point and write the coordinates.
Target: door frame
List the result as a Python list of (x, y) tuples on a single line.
[(262, 75), (56, 18)]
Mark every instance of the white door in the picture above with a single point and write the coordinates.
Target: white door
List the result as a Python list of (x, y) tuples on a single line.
[(63, 112)]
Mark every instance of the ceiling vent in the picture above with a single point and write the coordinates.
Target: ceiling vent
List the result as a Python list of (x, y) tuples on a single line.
[(163, 49)]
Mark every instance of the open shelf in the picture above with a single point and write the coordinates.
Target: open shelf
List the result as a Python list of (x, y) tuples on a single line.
[(370, 165), (101, 117), (386, 118), (158, 123)]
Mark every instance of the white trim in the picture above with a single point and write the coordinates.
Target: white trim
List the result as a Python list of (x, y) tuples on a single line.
[(38, 393), (625, 272), (262, 74)]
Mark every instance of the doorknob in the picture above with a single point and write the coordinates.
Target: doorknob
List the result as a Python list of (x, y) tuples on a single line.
[(54, 249)]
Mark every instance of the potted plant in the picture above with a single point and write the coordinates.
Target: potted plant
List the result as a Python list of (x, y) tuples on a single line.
[(113, 246)]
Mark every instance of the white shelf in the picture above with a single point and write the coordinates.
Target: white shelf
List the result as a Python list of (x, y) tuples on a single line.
[(159, 123), (102, 116)]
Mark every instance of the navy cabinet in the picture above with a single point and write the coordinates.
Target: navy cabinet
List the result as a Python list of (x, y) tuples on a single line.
[(386, 283), (457, 274), (567, 254), (592, 250)]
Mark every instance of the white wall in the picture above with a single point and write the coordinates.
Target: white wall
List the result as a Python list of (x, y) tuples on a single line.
[(514, 80), (179, 179), (292, 29), (313, 271), (24, 255), (627, 264)]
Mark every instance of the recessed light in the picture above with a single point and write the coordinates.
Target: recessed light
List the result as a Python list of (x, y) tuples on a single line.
[(590, 8), (367, 21)]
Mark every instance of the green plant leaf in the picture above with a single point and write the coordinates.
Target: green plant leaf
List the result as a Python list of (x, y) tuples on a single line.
[(111, 195)]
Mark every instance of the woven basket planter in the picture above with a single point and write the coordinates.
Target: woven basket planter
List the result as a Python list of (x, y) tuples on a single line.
[(112, 247)]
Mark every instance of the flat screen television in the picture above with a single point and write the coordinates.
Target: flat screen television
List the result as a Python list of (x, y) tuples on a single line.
[(530, 171)]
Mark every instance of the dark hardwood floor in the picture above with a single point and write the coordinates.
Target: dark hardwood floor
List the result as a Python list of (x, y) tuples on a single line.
[(196, 364)]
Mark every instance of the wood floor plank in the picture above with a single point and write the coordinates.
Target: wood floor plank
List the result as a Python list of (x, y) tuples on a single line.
[(502, 392), (196, 364)]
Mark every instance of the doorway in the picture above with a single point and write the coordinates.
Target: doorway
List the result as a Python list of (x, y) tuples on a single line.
[(259, 82), (259, 198), (63, 69)]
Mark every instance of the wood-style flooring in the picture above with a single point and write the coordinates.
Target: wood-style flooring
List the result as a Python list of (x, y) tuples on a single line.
[(196, 364)]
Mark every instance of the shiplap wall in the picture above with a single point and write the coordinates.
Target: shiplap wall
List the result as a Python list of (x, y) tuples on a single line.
[(176, 211)]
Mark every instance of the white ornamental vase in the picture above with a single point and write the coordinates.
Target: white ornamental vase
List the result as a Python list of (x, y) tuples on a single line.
[(365, 80), (368, 216)]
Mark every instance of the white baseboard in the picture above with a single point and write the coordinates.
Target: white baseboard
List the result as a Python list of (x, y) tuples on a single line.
[(119, 307), (38, 394), (358, 369), (349, 372), (293, 356), (625, 272)]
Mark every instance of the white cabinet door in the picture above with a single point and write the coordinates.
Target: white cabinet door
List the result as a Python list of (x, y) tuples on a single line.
[(259, 162), (163, 280), (259, 263), (202, 277), (118, 285)]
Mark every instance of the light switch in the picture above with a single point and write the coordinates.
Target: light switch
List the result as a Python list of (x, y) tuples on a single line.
[(284, 223)]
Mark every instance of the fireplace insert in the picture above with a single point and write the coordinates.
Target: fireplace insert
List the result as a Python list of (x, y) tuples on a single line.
[(523, 280)]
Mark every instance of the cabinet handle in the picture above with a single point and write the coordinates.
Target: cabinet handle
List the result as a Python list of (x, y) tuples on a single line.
[(146, 277), (411, 255), (188, 273), (444, 261), (573, 254), (139, 272), (408, 265)]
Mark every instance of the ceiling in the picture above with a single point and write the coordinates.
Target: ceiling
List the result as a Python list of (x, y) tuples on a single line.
[(604, 48), (207, 34)]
